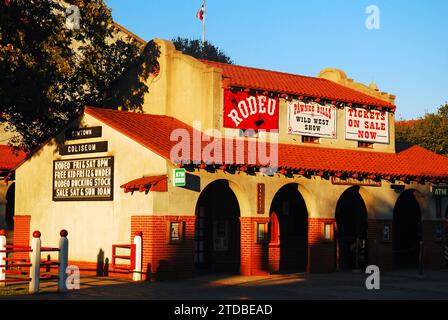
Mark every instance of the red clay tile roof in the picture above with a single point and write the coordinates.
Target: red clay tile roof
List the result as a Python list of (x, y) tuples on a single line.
[(155, 183), (8, 159), (153, 132), (409, 123), (246, 77)]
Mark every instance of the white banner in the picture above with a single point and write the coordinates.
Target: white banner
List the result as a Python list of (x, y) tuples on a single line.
[(366, 125), (312, 119)]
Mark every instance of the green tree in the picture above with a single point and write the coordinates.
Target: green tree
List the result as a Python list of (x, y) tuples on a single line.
[(194, 49), (430, 132), (49, 71)]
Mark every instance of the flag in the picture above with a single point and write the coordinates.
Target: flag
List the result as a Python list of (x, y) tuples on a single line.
[(201, 13)]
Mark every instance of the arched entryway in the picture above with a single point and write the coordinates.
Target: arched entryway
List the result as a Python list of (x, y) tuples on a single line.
[(351, 230), (10, 205), (407, 230), (288, 231), (217, 231)]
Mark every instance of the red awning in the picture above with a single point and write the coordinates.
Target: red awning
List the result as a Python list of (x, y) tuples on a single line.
[(145, 184)]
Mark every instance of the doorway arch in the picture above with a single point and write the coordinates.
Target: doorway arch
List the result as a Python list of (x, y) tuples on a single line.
[(351, 230), (217, 229), (407, 229), (288, 229)]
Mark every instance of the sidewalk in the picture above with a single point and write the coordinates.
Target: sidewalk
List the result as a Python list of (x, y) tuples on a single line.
[(397, 285)]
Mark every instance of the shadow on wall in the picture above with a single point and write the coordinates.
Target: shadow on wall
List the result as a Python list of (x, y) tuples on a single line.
[(100, 263)]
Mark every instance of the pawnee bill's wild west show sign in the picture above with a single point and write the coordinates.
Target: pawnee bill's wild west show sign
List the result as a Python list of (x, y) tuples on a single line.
[(246, 111), (366, 125), (312, 119)]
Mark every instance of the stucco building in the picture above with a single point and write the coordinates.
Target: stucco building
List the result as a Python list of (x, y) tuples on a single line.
[(303, 174)]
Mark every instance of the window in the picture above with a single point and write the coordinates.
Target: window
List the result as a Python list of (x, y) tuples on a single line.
[(248, 133), (327, 231), (439, 232), (367, 145), (274, 234), (175, 231), (262, 233), (386, 231), (308, 139)]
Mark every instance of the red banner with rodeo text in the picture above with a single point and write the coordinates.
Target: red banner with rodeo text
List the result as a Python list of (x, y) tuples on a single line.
[(248, 111)]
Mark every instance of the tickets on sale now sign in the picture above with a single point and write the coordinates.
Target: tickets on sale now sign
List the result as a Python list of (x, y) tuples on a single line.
[(366, 125)]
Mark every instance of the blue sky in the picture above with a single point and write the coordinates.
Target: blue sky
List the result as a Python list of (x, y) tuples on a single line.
[(407, 56)]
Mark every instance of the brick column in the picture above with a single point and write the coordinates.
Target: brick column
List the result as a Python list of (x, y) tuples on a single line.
[(162, 259), (22, 234), (321, 252), (254, 256), (380, 250)]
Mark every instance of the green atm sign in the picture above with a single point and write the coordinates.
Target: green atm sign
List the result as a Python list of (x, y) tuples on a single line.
[(179, 178)]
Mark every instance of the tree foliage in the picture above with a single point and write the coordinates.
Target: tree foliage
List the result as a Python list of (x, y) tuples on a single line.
[(430, 132), (194, 49), (50, 72)]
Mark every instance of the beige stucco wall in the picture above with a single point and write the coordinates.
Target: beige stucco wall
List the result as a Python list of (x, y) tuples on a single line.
[(189, 91), (193, 91), (92, 225), (320, 195)]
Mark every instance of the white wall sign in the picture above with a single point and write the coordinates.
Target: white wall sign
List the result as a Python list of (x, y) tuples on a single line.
[(366, 125), (312, 119)]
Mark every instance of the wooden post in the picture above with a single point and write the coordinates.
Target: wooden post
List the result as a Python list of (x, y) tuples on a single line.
[(63, 261), (35, 263), (137, 276), (2, 257)]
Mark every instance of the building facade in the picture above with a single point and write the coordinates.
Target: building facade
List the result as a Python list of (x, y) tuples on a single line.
[(243, 170)]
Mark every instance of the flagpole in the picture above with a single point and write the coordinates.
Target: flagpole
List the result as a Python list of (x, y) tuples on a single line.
[(203, 26)]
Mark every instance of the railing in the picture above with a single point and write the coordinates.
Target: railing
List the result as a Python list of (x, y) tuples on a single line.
[(134, 257), (12, 267), (20, 270), (130, 257)]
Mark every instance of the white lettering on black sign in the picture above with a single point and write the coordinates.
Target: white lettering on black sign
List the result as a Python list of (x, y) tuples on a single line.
[(83, 179), (83, 148), (83, 133)]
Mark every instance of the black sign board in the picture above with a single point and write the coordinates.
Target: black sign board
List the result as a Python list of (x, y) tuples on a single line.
[(83, 148), (90, 179), (83, 133), (440, 191)]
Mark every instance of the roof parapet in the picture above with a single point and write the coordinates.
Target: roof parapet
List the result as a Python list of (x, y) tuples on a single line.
[(340, 77)]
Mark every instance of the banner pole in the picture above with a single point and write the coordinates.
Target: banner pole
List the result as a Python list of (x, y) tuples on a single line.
[(203, 26)]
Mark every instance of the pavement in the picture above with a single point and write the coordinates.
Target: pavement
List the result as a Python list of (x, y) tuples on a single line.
[(402, 285)]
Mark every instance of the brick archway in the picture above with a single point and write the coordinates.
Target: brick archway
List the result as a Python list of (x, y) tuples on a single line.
[(288, 231), (351, 233), (407, 228), (217, 229)]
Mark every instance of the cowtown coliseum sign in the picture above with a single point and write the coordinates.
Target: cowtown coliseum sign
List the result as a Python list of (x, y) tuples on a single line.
[(83, 179), (366, 125), (246, 111), (312, 119)]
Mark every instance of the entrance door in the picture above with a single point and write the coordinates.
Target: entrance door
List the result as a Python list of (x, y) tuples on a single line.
[(217, 233), (351, 231), (407, 230), (289, 229)]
